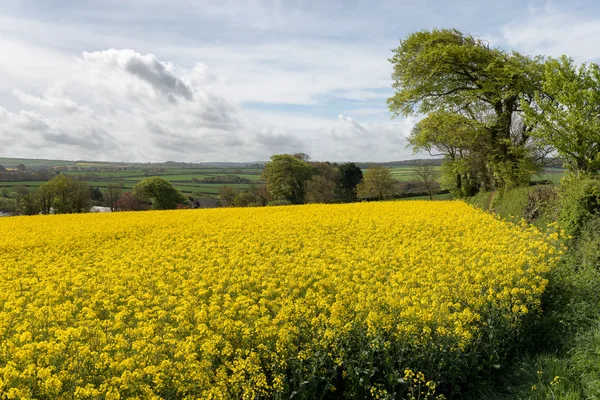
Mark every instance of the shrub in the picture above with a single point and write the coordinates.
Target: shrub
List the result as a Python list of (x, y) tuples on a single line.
[(481, 200), (8, 205), (511, 203), (579, 200), (244, 199), (587, 246)]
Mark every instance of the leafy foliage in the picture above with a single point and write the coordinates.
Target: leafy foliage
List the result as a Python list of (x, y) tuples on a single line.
[(350, 177), (286, 177), (378, 183), (580, 201), (71, 195), (161, 192), (472, 96), (566, 112)]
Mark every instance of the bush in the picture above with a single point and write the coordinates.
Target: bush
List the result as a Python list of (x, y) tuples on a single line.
[(536, 205), (481, 200), (579, 200), (7, 205), (244, 199), (511, 203), (587, 246)]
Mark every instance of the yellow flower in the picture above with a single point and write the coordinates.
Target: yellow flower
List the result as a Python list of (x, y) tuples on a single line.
[(223, 303)]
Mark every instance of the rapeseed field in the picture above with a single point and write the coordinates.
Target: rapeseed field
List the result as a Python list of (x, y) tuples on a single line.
[(315, 301)]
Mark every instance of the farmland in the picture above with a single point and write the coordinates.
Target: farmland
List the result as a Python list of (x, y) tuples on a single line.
[(201, 181), (192, 179), (262, 302)]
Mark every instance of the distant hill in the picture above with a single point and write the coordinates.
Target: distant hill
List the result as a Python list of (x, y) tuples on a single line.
[(99, 165)]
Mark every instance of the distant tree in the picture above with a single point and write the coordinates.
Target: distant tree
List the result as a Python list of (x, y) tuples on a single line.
[(45, 198), (244, 199), (286, 177), (260, 193), (96, 194), (350, 177), (302, 156), (20, 190), (378, 183), (128, 201), (161, 192), (427, 175), (70, 195), (21, 168), (320, 189), (5, 192), (112, 194), (227, 195), (323, 186), (27, 204), (2, 169), (566, 113), (8, 204)]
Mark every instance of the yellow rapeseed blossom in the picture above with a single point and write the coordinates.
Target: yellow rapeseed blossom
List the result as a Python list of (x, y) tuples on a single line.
[(248, 303)]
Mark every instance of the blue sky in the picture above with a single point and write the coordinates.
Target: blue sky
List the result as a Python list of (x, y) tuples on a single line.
[(236, 80)]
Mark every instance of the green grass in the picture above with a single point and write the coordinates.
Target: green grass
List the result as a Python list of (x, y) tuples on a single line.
[(181, 178), (441, 196), (552, 174)]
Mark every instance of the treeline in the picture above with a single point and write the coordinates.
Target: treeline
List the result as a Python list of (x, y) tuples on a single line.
[(24, 174), (66, 195), (294, 179), (222, 179), (60, 195)]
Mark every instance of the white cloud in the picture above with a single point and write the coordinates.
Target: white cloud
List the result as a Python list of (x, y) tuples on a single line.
[(119, 104), (553, 32), (296, 72), (348, 139)]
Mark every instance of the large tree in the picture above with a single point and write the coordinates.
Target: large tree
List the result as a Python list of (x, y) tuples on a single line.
[(112, 195), (378, 183), (161, 192), (324, 185), (427, 175), (446, 73), (45, 198), (350, 177), (286, 177), (71, 195), (566, 113)]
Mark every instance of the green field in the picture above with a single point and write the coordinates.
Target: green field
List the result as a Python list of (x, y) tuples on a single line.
[(188, 178)]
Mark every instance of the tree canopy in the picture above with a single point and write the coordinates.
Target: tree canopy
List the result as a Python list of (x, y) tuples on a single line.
[(161, 192), (378, 183), (566, 112), (350, 177), (458, 80), (286, 176)]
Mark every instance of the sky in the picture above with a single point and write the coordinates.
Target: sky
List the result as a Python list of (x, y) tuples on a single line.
[(221, 80)]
